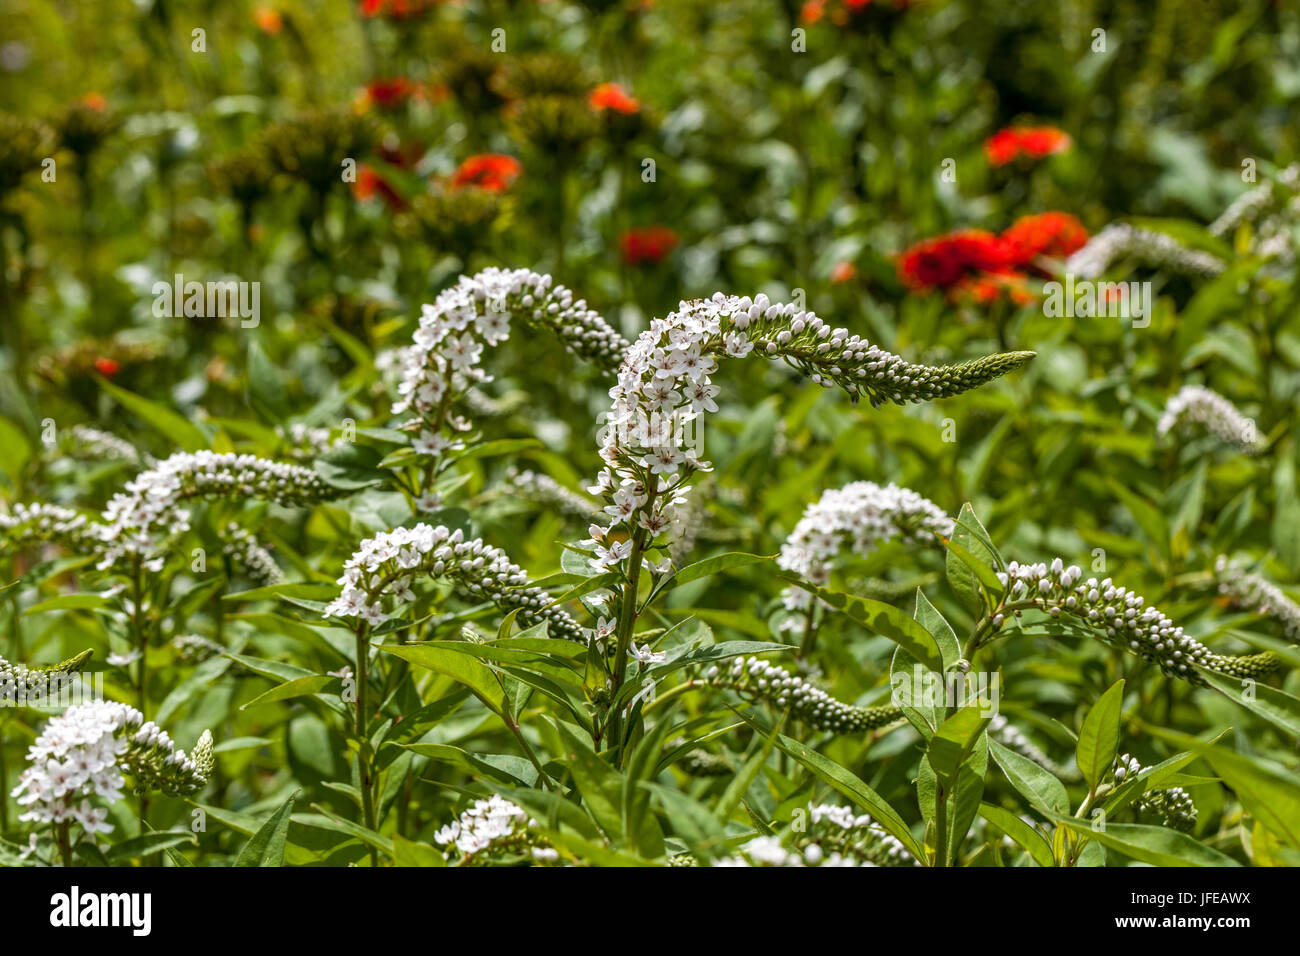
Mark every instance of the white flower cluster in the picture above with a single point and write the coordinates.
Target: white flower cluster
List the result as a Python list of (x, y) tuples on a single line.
[(387, 565), (1156, 249), (1199, 405), (92, 442), (494, 825), (1260, 595), (1272, 208), (756, 679), (1010, 736), (856, 517), (477, 312), (195, 648), (769, 851), (85, 751), (20, 683), (665, 383), (857, 836), (148, 510), (305, 442), (32, 524), (1122, 619), (545, 490), (1174, 805), (248, 555)]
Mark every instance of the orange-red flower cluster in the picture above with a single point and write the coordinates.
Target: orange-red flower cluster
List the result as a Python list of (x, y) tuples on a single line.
[(946, 261), (1030, 142), (388, 93), (1052, 234), (840, 11), (371, 185), (843, 271), (647, 245), (268, 19), (979, 265), (396, 9), (611, 96), (494, 172)]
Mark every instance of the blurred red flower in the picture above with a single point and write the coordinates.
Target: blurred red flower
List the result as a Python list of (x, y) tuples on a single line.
[(611, 96), (491, 171), (95, 101), (647, 244), (1031, 142), (840, 11), (843, 272), (944, 261), (387, 94), (1054, 234), (107, 367), (989, 287), (268, 20), (395, 9), (370, 184)]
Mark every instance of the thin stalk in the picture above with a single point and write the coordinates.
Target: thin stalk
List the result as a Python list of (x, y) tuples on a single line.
[(141, 637), (63, 835), (363, 740)]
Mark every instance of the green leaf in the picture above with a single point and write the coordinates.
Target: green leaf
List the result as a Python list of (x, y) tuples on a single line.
[(881, 618), (502, 446), (350, 466), (1044, 792), (1099, 736), (298, 687), (478, 677), (1266, 790), (953, 742), (1276, 706), (178, 429), (714, 565), (1025, 836), (600, 785), (1159, 846), (64, 602), (408, 853), (846, 783), (266, 847), (147, 844)]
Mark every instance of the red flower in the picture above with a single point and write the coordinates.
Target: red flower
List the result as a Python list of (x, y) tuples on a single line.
[(843, 272), (944, 261), (395, 9), (1053, 234), (107, 366), (989, 287), (268, 20), (647, 245), (95, 101), (1032, 142), (370, 184), (611, 96), (387, 94), (491, 171)]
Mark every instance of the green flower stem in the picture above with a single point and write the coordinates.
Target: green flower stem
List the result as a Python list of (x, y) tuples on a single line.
[(140, 636), (364, 768), (627, 616)]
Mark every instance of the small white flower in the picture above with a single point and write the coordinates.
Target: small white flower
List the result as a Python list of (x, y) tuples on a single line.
[(644, 655)]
